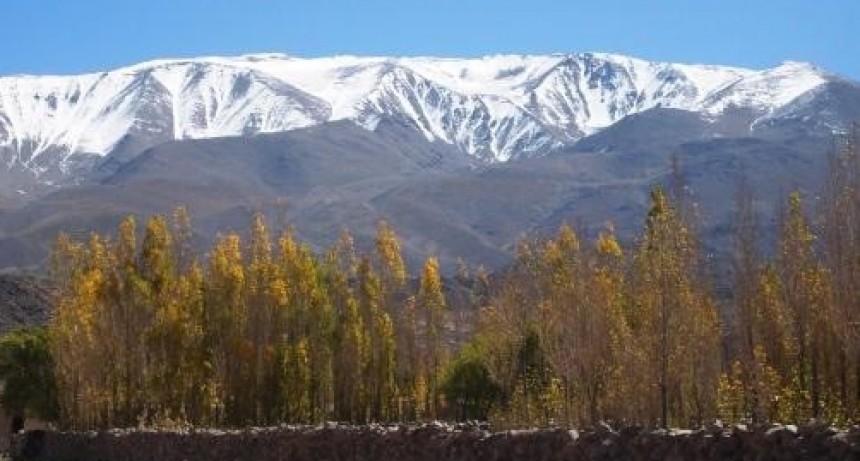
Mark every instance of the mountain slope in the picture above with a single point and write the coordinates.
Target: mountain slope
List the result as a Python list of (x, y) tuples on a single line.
[(338, 175), (451, 152), (331, 171), (56, 129), (26, 301)]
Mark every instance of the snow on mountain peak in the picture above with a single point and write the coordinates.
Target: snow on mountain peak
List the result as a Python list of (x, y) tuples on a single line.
[(496, 107)]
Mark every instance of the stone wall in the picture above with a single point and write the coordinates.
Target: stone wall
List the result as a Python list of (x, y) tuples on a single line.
[(443, 443)]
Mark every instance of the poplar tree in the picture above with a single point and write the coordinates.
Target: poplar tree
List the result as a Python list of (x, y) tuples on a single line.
[(806, 295), (841, 227), (675, 304), (431, 302), (261, 306), (225, 322)]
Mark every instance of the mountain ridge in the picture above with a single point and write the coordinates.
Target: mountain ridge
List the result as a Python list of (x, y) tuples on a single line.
[(462, 156), (495, 108)]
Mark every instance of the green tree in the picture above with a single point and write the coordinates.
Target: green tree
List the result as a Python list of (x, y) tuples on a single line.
[(468, 385), (27, 371)]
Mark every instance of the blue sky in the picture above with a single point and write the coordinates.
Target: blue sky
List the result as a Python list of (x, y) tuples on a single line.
[(64, 36)]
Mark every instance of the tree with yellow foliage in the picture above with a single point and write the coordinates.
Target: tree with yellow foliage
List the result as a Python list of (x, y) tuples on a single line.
[(431, 302), (679, 329)]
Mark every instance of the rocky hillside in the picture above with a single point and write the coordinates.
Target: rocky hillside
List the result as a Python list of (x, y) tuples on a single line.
[(24, 301)]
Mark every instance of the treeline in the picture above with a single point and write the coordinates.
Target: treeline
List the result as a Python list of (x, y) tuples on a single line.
[(257, 332), (795, 335), (266, 331), (579, 333)]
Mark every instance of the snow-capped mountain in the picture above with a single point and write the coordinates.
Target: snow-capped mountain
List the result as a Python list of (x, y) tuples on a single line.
[(495, 108)]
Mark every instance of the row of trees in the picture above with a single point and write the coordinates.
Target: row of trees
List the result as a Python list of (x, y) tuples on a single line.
[(796, 336), (583, 333), (262, 331)]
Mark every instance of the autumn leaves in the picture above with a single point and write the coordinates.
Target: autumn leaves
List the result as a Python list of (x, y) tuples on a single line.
[(258, 332)]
